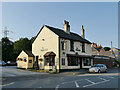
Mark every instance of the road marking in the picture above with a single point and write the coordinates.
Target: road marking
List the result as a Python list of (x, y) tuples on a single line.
[(76, 84), (111, 77), (90, 81), (12, 75), (72, 81), (103, 79), (96, 83), (57, 87), (103, 74), (7, 84)]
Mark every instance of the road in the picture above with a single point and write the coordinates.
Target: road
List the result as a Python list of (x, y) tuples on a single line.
[(58, 81)]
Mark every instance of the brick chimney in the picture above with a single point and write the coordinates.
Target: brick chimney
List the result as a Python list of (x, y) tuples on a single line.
[(82, 32), (66, 27)]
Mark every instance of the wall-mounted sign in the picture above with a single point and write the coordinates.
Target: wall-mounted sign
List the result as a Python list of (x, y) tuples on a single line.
[(63, 52), (77, 49), (43, 49)]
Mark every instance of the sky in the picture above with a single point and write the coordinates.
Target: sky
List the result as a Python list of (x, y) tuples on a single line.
[(100, 19)]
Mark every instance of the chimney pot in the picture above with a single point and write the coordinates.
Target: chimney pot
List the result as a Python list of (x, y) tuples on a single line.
[(82, 32), (66, 27)]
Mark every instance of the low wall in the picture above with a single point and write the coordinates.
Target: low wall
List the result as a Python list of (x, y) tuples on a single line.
[(107, 62)]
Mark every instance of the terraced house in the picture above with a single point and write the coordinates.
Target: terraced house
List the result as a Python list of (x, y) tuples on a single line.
[(58, 49)]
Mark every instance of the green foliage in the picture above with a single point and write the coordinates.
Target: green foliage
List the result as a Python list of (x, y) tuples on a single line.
[(10, 50), (22, 44), (118, 62), (106, 48), (44, 71), (7, 49)]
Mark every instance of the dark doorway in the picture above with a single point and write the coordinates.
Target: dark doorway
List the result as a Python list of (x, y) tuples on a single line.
[(35, 65), (37, 60), (80, 63)]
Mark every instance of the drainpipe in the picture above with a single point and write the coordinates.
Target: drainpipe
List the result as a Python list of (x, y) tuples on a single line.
[(59, 54)]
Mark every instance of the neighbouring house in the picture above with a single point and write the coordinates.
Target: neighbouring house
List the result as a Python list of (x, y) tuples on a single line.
[(116, 52), (54, 48), (105, 57), (25, 59), (96, 48)]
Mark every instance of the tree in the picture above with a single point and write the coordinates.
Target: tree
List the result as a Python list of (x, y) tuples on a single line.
[(107, 48), (7, 49), (21, 44)]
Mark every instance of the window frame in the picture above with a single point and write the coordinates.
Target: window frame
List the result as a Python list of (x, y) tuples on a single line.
[(87, 61), (31, 61), (83, 47), (71, 45), (73, 61), (63, 61), (63, 45)]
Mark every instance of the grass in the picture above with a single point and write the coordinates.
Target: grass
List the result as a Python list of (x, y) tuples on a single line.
[(44, 71)]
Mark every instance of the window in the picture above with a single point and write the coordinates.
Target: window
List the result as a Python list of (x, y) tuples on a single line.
[(62, 45), (30, 61), (63, 61), (83, 47), (87, 61), (72, 61), (71, 45)]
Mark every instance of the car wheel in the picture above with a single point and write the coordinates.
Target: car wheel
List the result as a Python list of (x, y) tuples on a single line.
[(106, 70), (99, 71)]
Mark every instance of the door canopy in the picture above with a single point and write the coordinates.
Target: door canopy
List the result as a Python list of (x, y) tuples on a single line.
[(49, 54)]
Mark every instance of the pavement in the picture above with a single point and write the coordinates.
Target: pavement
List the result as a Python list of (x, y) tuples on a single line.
[(74, 79), (11, 71)]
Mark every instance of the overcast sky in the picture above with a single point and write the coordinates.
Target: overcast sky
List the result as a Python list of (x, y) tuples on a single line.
[(100, 20)]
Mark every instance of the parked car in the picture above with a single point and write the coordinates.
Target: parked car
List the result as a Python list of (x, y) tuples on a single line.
[(98, 68), (11, 63), (2, 63)]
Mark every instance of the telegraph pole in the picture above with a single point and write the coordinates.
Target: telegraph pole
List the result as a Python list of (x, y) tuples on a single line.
[(6, 32)]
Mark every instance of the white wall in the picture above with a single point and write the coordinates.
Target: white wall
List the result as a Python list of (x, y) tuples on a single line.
[(22, 64), (50, 43), (88, 51)]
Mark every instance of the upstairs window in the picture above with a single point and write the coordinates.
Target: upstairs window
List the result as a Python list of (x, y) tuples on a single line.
[(63, 46), (83, 47), (71, 45), (63, 61)]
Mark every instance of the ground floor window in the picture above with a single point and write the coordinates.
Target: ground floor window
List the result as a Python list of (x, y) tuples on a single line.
[(30, 61), (63, 61), (87, 61), (72, 61)]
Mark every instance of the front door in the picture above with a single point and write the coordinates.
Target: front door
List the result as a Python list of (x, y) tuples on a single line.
[(80, 63)]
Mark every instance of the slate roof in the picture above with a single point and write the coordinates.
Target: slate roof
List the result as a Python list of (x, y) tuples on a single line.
[(72, 36), (29, 53), (62, 34)]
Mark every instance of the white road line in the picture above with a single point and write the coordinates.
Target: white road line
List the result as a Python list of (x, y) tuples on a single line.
[(7, 84), (12, 75), (90, 81), (57, 87), (72, 81), (103, 79), (76, 84), (96, 83)]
